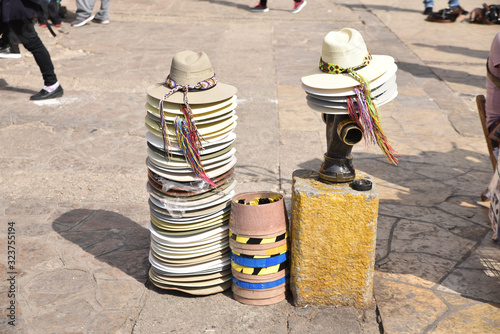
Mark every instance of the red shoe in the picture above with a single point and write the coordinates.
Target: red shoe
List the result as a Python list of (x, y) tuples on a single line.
[(57, 25), (43, 25), (297, 7)]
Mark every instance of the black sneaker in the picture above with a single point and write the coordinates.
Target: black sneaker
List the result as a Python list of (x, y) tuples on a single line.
[(7, 53), (427, 11), (45, 95)]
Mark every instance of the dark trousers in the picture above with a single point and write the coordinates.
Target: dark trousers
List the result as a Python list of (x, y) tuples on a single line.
[(53, 13), (10, 39), (26, 33)]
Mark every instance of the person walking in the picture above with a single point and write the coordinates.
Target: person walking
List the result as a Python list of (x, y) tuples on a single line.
[(454, 6), (84, 10), (18, 15), (262, 6)]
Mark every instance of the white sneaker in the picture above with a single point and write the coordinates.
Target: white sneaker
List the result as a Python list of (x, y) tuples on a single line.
[(6, 53)]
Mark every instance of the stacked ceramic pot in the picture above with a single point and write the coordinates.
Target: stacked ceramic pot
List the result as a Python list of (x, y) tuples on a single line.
[(190, 182), (258, 238)]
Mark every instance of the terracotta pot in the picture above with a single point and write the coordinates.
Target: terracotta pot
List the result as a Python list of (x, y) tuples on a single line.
[(239, 248), (258, 221), (260, 302), (259, 297), (250, 247), (259, 278), (258, 293)]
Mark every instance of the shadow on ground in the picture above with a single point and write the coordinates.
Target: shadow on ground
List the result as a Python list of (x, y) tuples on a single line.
[(109, 237), (480, 54), (380, 7), (424, 71)]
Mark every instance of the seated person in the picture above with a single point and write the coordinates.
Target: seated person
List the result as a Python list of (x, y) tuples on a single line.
[(492, 106), (492, 109)]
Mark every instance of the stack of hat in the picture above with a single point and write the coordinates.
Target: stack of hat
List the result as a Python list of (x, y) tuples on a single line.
[(349, 80), (259, 248), (190, 122)]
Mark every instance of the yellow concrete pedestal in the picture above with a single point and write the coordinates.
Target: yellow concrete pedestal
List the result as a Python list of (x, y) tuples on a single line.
[(333, 241)]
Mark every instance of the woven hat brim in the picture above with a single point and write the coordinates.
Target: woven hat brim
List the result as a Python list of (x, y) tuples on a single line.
[(343, 99), (320, 80), (208, 147), (205, 129), (214, 114), (187, 177), (218, 93), (338, 111), (349, 91), (197, 109), (379, 98)]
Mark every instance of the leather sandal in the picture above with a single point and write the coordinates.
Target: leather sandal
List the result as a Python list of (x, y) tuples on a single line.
[(446, 15)]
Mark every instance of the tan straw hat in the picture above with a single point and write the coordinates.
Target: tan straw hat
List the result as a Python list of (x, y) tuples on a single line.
[(345, 49), (191, 68)]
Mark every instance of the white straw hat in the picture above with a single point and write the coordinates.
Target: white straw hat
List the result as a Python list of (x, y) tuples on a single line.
[(341, 50)]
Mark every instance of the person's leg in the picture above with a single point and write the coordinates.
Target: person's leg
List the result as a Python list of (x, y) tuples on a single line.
[(13, 42), (429, 4), (54, 12), (25, 31), (261, 7), (9, 44), (4, 37), (84, 9), (103, 13), (453, 3)]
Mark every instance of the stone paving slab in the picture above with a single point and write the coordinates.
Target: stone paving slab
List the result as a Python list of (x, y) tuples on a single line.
[(73, 174)]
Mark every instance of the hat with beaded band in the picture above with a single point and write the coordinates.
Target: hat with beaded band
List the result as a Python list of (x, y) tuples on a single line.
[(343, 51)]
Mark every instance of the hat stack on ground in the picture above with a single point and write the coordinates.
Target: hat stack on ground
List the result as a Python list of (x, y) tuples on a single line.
[(258, 238), (349, 80), (190, 122)]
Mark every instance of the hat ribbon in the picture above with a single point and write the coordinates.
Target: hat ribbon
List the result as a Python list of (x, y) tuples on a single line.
[(187, 134), (337, 69), (364, 112)]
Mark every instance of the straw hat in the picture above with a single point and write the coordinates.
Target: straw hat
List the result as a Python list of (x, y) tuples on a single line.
[(328, 107), (191, 68), (346, 49), (350, 91)]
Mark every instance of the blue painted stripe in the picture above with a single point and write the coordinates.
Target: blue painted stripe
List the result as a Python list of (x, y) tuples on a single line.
[(259, 286), (259, 263)]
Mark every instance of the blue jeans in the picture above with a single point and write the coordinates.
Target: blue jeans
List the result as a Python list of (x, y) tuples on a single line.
[(451, 3)]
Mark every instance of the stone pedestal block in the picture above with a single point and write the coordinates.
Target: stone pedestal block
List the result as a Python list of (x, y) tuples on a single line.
[(333, 241)]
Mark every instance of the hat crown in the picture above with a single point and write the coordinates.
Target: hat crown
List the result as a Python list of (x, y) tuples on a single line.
[(189, 68), (345, 48)]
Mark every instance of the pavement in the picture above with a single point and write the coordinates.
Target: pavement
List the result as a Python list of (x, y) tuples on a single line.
[(73, 171)]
